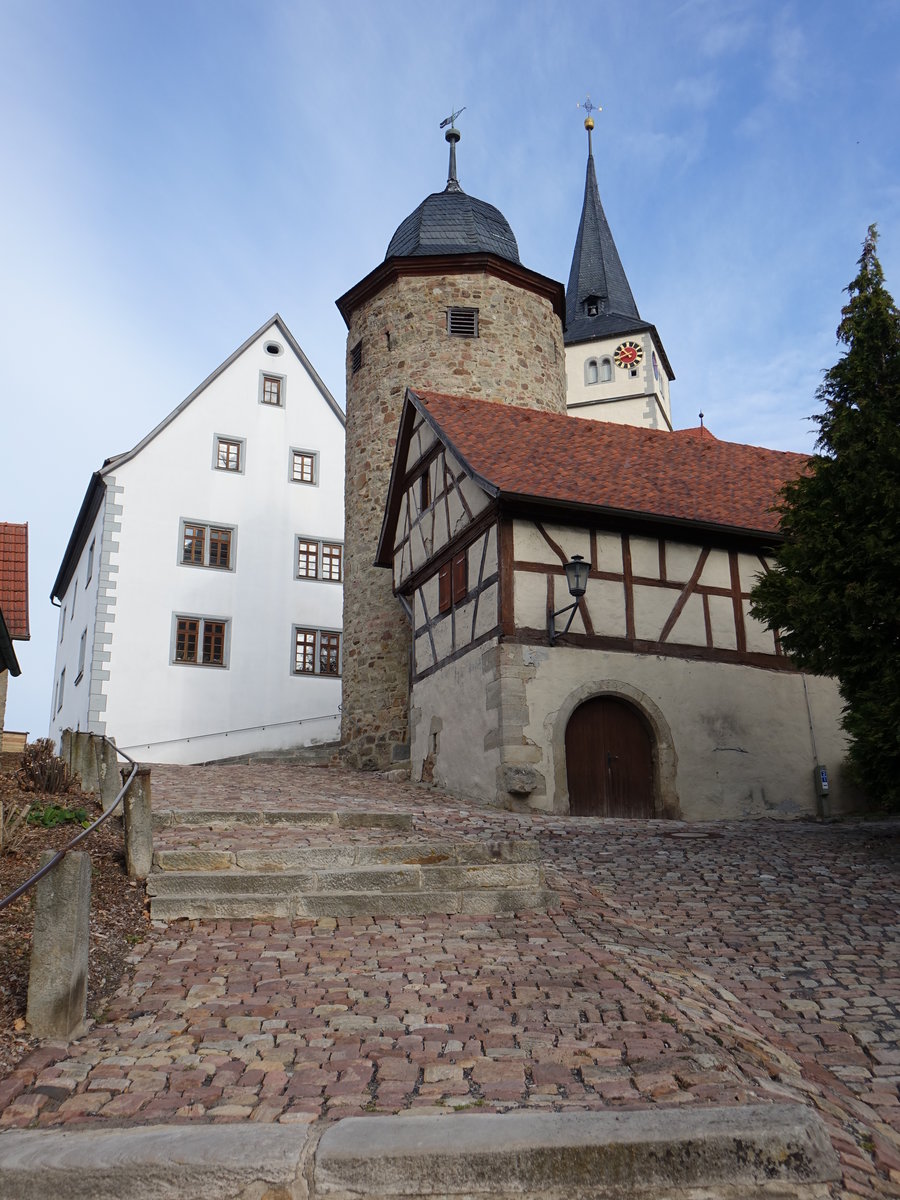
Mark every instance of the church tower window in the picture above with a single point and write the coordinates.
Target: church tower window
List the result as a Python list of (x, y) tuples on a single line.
[(606, 371), (591, 371)]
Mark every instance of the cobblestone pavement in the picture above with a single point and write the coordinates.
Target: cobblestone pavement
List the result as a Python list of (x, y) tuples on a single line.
[(713, 963)]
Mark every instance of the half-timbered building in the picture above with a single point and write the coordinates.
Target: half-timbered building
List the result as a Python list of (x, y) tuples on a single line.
[(663, 696)]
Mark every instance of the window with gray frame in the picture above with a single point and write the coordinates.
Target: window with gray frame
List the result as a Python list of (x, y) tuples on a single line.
[(271, 389), (317, 559), (201, 641), (206, 545), (229, 454), (316, 652), (304, 466), (82, 650)]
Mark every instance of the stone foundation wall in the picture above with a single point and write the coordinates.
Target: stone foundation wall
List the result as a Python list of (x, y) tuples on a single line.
[(517, 358)]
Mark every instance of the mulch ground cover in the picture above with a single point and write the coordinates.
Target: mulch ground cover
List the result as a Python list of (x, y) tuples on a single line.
[(118, 909)]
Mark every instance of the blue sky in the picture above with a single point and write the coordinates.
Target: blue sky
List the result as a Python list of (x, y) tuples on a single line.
[(176, 171)]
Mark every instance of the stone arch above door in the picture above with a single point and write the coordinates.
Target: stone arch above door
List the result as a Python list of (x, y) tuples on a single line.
[(665, 760)]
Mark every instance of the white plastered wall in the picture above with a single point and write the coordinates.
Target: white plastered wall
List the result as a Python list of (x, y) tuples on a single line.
[(164, 711), (741, 740), (454, 718), (626, 399), (77, 616)]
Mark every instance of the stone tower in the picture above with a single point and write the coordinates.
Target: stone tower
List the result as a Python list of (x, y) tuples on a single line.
[(451, 309), (617, 367)]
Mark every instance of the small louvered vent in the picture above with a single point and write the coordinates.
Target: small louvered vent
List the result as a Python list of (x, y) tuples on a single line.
[(356, 358), (462, 322)]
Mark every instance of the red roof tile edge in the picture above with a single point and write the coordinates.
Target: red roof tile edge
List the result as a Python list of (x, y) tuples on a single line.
[(527, 454), (14, 579)]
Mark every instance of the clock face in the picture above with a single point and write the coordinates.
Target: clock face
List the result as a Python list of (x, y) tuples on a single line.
[(628, 354)]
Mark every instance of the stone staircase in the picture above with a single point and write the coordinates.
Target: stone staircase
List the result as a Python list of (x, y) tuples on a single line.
[(319, 754), (295, 864)]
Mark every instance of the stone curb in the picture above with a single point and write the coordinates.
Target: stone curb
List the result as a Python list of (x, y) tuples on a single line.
[(775, 1151), (157, 1162)]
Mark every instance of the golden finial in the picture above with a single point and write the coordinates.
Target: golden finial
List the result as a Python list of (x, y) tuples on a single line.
[(589, 108)]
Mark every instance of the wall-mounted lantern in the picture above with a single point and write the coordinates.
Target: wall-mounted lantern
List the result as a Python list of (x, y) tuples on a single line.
[(577, 571)]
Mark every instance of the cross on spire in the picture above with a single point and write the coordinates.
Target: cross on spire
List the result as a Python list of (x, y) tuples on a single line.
[(589, 120)]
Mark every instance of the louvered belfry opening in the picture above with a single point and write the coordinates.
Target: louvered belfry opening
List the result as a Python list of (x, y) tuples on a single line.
[(462, 322)]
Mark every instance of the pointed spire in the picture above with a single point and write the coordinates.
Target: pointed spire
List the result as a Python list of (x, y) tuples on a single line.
[(598, 297)]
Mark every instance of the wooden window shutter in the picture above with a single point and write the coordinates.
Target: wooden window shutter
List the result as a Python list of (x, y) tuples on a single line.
[(444, 588), (460, 577)]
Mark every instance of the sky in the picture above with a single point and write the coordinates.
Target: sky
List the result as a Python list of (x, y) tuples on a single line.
[(174, 172)]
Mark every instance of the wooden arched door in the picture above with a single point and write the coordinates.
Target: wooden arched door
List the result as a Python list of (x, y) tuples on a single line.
[(609, 760)]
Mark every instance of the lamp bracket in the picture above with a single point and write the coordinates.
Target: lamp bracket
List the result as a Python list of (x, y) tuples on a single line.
[(551, 621)]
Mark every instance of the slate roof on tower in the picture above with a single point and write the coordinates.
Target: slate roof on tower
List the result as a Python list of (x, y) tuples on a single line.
[(597, 272), (452, 222)]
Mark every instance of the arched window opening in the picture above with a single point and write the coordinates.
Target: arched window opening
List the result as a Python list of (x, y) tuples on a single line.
[(606, 372), (591, 371)]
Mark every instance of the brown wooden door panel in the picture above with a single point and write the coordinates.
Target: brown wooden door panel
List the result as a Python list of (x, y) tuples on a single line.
[(609, 760)]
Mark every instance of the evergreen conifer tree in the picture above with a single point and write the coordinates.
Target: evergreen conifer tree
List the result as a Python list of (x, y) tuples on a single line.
[(834, 592)]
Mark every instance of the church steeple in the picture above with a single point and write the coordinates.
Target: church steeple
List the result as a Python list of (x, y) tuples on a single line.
[(599, 301), (616, 367)]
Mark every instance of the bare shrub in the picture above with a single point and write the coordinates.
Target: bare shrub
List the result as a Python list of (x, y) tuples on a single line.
[(42, 770), (13, 823)]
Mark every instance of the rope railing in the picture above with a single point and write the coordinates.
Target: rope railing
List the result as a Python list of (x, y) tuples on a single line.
[(60, 854)]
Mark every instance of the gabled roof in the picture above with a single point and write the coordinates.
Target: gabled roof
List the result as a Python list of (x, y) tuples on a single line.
[(93, 496), (14, 579), (697, 432), (523, 456), (90, 506), (119, 460)]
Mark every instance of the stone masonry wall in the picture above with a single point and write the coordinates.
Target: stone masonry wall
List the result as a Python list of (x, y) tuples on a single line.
[(517, 358)]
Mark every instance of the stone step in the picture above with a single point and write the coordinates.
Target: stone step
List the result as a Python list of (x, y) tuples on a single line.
[(349, 854), (320, 754), (476, 902), (309, 818), (378, 880)]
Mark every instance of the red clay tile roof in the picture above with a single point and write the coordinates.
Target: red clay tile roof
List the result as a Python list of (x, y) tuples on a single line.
[(14, 579), (521, 453), (696, 431)]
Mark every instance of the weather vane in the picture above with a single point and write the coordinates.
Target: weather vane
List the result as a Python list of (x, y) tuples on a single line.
[(452, 136), (450, 120), (589, 120), (589, 108)]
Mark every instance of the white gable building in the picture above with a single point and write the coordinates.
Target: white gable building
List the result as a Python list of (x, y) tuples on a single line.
[(201, 589)]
